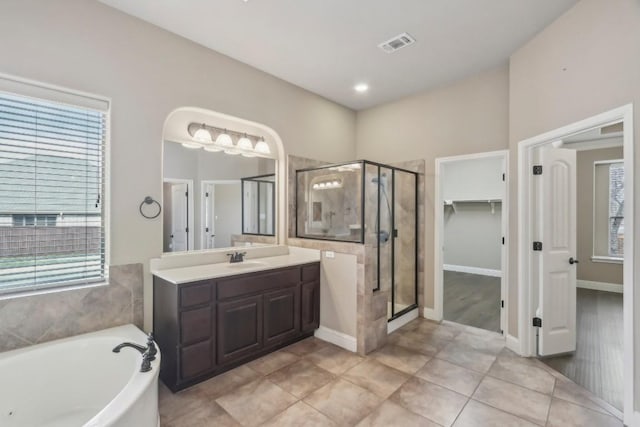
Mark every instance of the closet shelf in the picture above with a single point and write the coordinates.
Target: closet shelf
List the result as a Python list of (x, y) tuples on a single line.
[(489, 201)]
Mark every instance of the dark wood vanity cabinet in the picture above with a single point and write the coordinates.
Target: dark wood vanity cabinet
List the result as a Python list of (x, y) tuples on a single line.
[(208, 327)]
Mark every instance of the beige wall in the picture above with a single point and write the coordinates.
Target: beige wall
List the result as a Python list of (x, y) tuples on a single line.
[(470, 116), (148, 72), (587, 269), (583, 64)]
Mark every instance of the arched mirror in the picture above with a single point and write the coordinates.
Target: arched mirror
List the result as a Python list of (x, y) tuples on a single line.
[(219, 184)]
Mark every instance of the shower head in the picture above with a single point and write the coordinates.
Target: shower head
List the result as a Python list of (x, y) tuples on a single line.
[(382, 179)]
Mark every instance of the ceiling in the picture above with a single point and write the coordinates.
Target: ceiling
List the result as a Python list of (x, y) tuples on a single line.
[(328, 46)]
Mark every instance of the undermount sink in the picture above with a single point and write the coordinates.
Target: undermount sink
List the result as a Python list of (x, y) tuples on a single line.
[(247, 264)]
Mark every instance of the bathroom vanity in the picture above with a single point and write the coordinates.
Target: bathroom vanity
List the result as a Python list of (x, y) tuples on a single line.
[(209, 319)]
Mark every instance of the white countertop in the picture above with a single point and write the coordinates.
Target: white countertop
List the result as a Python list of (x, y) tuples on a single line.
[(195, 273)]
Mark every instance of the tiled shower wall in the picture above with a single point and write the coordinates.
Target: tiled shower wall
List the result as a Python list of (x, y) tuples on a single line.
[(44, 317)]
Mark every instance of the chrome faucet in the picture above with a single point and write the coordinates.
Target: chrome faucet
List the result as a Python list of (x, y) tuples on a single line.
[(148, 353), (236, 257)]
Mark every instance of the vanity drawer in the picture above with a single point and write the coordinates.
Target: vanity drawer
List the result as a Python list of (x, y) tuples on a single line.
[(311, 273), (196, 294), (195, 325), (257, 283), (196, 359)]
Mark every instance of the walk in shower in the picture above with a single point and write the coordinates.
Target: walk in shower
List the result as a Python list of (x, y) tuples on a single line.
[(372, 204)]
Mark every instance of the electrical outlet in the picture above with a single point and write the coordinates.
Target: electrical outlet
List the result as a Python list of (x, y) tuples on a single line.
[(329, 254)]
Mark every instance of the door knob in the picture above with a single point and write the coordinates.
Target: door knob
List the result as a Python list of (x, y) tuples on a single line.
[(573, 261)]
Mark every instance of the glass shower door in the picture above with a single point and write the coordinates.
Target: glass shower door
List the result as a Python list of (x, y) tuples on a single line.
[(404, 295)]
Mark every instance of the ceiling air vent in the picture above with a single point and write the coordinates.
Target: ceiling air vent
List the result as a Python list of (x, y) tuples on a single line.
[(397, 42)]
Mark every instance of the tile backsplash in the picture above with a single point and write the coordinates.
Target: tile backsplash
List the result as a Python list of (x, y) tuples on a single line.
[(44, 317)]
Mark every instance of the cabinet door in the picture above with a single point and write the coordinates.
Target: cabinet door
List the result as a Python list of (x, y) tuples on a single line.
[(239, 328), (310, 316), (281, 315), (196, 360)]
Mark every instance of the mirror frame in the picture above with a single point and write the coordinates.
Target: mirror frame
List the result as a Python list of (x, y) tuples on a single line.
[(239, 124)]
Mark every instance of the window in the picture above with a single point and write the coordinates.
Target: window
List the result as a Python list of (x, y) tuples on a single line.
[(52, 164), (608, 211), (28, 220), (616, 209)]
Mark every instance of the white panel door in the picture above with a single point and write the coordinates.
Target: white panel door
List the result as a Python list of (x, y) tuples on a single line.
[(209, 234), (179, 217), (558, 268)]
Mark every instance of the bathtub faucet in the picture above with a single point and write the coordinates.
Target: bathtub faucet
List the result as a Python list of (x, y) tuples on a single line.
[(148, 353)]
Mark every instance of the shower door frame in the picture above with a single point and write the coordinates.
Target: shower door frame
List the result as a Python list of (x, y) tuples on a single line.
[(413, 306), (393, 169)]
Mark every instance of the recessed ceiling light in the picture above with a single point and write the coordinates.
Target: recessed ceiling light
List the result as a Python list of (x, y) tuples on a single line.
[(361, 87)]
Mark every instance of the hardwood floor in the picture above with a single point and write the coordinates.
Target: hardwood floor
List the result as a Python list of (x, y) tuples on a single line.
[(597, 363), (472, 300)]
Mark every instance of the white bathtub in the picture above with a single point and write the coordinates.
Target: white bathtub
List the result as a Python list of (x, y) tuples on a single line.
[(79, 381)]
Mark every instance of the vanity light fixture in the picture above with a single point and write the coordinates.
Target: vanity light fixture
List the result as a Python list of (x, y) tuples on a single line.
[(202, 137), (327, 185), (224, 139), (262, 147), (191, 145), (245, 143)]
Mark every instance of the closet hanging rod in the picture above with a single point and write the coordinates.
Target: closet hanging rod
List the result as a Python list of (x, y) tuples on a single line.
[(452, 201)]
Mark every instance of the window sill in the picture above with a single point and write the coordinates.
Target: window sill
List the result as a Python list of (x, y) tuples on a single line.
[(607, 259)]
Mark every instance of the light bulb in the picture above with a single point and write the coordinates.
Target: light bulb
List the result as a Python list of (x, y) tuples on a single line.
[(202, 135), (224, 140), (262, 147), (245, 143)]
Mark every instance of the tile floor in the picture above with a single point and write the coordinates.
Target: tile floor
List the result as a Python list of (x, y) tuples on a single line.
[(428, 375)]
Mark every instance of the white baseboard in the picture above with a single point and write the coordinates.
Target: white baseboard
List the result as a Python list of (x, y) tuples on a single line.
[(600, 286), (402, 320), (472, 270), (430, 313), (338, 338), (513, 344)]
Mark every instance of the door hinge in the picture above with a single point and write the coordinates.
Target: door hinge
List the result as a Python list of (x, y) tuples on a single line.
[(537, 246), (504, 177), (502, 304), (501, 332), (186, 194), (537, 322), (206, 194), (503, 240), (186, 229), (537, 170), (395, 233), (206, 229)]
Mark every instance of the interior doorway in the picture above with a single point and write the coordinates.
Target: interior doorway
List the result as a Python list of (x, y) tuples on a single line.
[(177, 215), (221, 214), (592, 355), (471, 239), (576, 280)]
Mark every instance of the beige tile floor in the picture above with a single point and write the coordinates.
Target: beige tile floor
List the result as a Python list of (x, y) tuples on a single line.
[(428, 375)]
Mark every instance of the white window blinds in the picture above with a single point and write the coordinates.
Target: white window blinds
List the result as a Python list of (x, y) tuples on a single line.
[(52, 180)]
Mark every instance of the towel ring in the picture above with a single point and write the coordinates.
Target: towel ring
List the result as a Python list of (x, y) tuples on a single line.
[(148, 201)]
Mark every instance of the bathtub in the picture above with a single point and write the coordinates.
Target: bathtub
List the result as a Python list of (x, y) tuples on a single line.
[(79, 381)]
